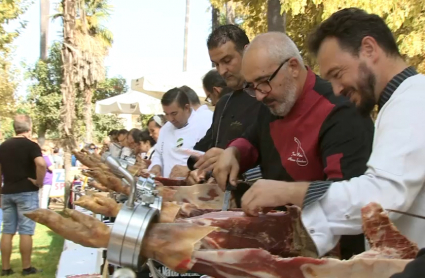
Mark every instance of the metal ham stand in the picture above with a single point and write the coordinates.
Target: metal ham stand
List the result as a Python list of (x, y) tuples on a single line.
[(132, 222)]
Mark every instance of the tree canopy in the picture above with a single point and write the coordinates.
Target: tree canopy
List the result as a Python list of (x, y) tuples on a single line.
[(405, 18)]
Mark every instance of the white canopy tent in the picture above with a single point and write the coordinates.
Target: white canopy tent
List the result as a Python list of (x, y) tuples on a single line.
[(129, 103), (155, 85)]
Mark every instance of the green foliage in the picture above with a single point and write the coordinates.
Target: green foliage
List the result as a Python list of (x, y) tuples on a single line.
[(45, 98), (110, 87), (406, 19)]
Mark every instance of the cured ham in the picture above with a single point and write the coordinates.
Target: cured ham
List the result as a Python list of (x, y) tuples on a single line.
[(229, 244), (100, 204), (280, 233), (77, 227), (208, 196)]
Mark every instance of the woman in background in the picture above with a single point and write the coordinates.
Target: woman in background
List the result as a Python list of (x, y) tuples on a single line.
[(146, 145), (154, 125), (44, 191)]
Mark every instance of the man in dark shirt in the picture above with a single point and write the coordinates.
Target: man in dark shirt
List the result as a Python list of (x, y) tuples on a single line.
[(234, 112), (304, 133), (23, 169)]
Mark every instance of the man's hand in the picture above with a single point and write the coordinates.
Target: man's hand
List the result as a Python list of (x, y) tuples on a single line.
[(156, 170), (34, 182), (196, 177), (179, 171), (207, 161), (227, 168), (265, 195)]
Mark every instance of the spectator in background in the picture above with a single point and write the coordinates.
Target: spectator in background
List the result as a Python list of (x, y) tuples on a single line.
[(126, 151), (146, 145), (57, 159), (154, 125), (105, 145), (113, 134), (203, 111), (115, 147), (23, 169), (132, 137), (214, 87), (44, 192)]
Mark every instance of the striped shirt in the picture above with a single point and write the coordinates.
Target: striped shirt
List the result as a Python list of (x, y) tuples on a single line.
[(318, 189)]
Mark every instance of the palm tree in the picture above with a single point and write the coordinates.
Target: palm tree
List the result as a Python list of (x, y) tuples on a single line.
[(186, 34), (44, 28), (69, 52), (93, 41)]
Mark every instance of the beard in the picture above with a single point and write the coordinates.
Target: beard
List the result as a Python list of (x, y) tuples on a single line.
[(365, 90), (283, 104)]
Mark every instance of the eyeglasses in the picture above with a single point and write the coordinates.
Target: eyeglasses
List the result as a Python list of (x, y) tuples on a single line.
[(263, 87), (208, 99)]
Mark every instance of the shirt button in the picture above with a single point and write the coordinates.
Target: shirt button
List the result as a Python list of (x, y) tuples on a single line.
[(311, 231), (347, 217)]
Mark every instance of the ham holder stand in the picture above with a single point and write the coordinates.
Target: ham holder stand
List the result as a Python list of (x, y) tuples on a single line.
[(133, 220)]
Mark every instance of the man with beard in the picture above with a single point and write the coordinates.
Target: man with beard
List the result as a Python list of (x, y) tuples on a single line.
[(234, 112), (357, 53), (302, 133)]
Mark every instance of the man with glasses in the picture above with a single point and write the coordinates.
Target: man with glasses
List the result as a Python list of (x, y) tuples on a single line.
[(303, 132)]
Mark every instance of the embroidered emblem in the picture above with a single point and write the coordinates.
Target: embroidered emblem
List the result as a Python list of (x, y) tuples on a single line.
[(299, 155)]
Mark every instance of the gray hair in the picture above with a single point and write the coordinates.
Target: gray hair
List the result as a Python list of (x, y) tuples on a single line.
[(279, 46), (22, 124)]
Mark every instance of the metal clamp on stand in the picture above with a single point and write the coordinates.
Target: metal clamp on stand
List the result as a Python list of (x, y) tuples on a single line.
[(147, 193), (133, 221)]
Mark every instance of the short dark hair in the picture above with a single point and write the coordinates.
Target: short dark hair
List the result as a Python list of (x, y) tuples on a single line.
[(191, 94), (56, 150), (145, 137), (175, 95), (122, 132), (135, 133), (113, 132), (22, 124), (162, 121), (226, 33), (213, 79), (349, 26)]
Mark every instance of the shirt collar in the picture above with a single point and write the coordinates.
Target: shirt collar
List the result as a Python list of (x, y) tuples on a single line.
[(394, 83)]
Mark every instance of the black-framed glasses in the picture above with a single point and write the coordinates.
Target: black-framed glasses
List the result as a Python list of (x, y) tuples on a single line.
[(208, 98), (263, 87)]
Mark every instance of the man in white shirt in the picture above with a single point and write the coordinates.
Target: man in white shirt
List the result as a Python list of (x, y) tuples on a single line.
[(357, 53), (182, 131), (203, 111)]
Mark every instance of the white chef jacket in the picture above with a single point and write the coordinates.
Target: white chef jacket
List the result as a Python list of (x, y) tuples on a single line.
[(205, 115), (395, 176), (171, 140)]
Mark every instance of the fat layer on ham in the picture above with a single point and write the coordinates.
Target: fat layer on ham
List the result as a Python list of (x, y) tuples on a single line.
[(250, 263)]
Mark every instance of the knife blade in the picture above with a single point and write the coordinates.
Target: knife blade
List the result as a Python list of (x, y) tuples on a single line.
[(227, 195), (406, 213)]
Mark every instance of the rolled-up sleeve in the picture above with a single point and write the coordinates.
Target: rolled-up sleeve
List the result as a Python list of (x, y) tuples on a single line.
[(394, 178)]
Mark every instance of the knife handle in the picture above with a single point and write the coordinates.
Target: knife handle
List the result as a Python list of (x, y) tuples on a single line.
[(229, 186)]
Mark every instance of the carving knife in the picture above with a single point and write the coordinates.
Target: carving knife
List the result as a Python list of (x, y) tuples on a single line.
[(406, 213), (227, 195)]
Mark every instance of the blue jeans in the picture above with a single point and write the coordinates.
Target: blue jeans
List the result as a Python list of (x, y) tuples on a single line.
[(14, 206)]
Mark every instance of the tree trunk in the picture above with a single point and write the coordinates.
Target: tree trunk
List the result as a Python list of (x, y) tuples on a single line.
[(68, 90), (44, 28), (186, 34), (230, 13), (275, 20), (215, 18), (88, 120)]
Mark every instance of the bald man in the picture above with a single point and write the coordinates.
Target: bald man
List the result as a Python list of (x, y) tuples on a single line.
[(303, 132)]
